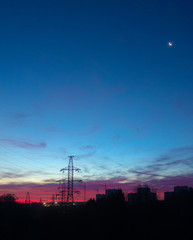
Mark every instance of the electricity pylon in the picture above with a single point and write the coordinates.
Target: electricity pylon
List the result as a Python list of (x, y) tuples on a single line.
[(71, 169)]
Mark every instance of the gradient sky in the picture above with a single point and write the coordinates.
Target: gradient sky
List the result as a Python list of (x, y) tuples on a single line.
[(97, 80)]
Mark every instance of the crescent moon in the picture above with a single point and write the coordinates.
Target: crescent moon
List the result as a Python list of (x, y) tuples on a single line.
[(170, 44)]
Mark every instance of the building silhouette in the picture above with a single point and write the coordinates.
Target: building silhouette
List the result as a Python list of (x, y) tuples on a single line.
[(110, 194), (180, 194), (143, 195), (100, 196)]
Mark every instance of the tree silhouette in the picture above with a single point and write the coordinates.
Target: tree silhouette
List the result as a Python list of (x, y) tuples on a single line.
[(8, 198)]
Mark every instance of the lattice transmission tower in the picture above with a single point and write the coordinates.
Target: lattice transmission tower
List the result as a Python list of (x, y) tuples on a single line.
[(71, 169)]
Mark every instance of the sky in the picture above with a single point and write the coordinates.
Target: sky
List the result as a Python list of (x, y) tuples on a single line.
[(96, 80)]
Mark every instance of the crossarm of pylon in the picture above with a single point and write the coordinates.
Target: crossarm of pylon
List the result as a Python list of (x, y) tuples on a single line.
[(63, 169), (76, 169), (77, 180)]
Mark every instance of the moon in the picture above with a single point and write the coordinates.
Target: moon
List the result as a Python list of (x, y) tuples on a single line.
[(170, 44)]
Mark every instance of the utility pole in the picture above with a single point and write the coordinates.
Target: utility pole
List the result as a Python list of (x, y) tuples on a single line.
[(84, 192), (62, 188), (70, 169), (57, 197), (27, 199), (84, 187), (53, 198), (97, 189), (104, 185)]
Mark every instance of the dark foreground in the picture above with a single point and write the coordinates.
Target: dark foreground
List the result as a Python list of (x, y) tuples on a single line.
[(97, 220)]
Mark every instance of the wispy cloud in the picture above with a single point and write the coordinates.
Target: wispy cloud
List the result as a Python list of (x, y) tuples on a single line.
[(89, 131), (177, 156), (19, 115), (51, 180), (12, 175), (116, 137), (148, 173), (23, 144), (186, 149), (85, 155), (17, 118), (87, 147), (52, 129), (170, 169), (21, 173), (168, 183)]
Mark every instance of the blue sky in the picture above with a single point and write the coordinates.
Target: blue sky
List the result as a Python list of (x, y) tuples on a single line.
[(96, 79)]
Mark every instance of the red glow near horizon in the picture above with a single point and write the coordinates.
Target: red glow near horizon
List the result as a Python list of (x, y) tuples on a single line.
[(46, 191)]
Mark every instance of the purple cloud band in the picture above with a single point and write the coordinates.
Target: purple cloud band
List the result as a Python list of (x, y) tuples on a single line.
[(23, 144)]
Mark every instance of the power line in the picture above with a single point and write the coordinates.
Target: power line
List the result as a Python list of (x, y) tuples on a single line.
[(25, 157)]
